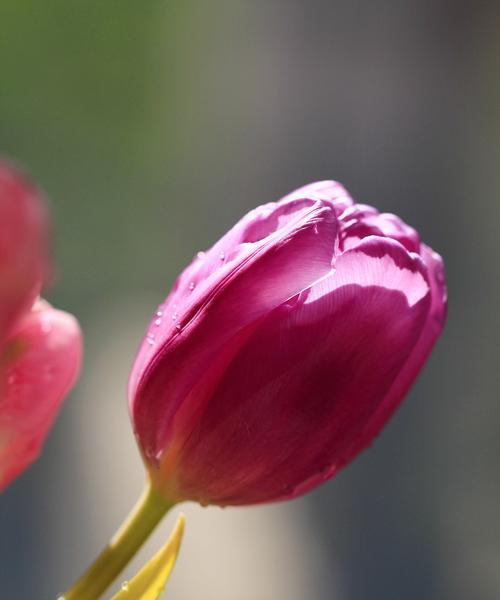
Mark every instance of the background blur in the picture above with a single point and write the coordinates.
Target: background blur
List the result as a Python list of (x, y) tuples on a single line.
[(153, 126)]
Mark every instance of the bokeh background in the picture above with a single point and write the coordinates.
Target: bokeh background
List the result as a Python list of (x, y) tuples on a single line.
[(152, 126)]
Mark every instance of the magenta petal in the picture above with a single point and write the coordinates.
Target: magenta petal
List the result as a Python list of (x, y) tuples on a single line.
[(423, 346), (329, 191), (23, 246), (436, 275), (362, 221), (211, 325), (292, 406), (40, 362), (260, 229)]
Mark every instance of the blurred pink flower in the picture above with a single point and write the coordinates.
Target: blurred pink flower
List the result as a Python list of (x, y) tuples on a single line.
[(282, 351), (40, 347)]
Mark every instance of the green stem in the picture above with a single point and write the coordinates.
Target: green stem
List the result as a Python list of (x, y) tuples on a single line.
[(144, 517)]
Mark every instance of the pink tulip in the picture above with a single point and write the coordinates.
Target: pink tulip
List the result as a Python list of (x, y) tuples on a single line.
[(282, 351), (40, 347)]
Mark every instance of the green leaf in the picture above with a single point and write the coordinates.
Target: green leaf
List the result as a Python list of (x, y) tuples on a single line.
[(150, 582)]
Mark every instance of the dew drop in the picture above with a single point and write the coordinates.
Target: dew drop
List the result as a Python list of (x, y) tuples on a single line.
[(191, 286), (158, 322), (178, 327), (288, 490), (46, 327), (149, 452), (159, 313), (293, 301), (222, 255), (61, 598), (125, 586), (327, 471), (200, 255), (48, 374), (174, 316)]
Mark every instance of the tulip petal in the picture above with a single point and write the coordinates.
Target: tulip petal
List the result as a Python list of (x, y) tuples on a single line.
[(332, 192), (23, 246), (362, 220), (293, 404), (422, 348), (39, 364), (224, 308), (263, 227)]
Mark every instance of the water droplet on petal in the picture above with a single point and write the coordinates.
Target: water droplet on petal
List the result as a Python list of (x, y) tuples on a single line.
[(48, 374), (440, 274), (149, 452), (288, 490), (327, 471), (191, 286), (159, 313), (46, 327), (125, 586), (178, 327), (222, 255), (158, 322), (200, 255), (293, 301), (174, 317)]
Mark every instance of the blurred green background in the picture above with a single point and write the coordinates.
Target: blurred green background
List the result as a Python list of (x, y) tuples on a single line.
[(152, 127)]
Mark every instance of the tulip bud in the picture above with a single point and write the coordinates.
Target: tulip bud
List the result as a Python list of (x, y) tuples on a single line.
[(40, 347), (282, 351)]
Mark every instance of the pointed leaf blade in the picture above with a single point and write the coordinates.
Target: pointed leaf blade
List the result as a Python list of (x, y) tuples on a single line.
[(150, 581)]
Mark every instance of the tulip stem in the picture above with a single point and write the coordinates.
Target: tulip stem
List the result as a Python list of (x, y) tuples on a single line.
[(144, 517)]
